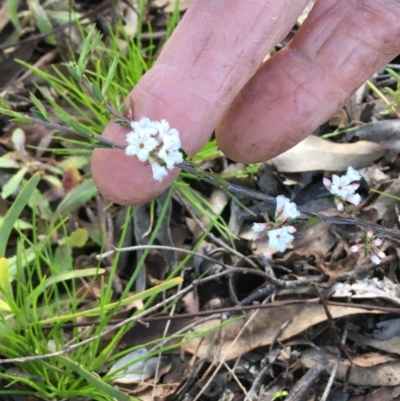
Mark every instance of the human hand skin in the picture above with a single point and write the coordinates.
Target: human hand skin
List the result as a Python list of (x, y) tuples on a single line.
[(208, 75)]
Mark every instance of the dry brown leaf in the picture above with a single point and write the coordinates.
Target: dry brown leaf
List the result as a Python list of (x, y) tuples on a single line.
[(386, 133), (373, 175), (159, 392), (371, 359), (263, 329), (383, 374), (4, 14), (391, 345), (317, 236), (314, 153), (385, 204), (337, 269)]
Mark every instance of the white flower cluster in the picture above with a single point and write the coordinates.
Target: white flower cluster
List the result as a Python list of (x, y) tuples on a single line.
[(155, 142), (343, 188), (280, 234), (369, 245)]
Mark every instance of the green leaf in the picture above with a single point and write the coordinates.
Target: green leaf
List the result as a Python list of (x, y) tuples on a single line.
[(219, 179), (19, 224), (63, 261), (74, 199), (39, 106), (313, 220), (13, 13), (18, 140), (4, 306), (95, 381), (78, 238), (8, 163), (9, 112), (62, 277), (127, 301), (13, 183), (5, 284), (86, 48), (75, 125), (98, 144), (53, 180), (122, 122), (73, 71), (37, 114), (97, 93), (21, 120), (122, 109), (42, 20), (110, 74), (14, 212)]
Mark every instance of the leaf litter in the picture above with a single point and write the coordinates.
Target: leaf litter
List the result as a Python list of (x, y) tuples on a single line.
[(254, 321)]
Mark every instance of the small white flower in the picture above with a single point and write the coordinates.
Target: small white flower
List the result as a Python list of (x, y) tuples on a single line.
[(343, 187), (354, 199), (285, 210), (370, 244), (145, 125), (170, 152), (140, 144), (154, 141), (259, 227), (164, 129), (375, 259), (281, 237), (159, 172), (352, 174)]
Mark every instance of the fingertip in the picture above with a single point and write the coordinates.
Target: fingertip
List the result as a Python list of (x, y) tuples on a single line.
[(124, 179)]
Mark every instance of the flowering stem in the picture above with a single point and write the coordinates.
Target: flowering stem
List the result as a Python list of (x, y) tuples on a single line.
[(210, 178)]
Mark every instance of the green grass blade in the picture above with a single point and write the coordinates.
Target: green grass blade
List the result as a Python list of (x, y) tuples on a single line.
[(133, 298), (14, 212), (95, 381), (77, 197), (58, 278)]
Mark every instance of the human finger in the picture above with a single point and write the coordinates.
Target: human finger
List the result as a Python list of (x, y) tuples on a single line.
[(340, 45), (213, 52)]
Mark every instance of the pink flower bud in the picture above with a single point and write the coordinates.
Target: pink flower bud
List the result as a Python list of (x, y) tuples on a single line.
[(379, 253), (356, 248), (339, 204), (327, 182), (259, 227)]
